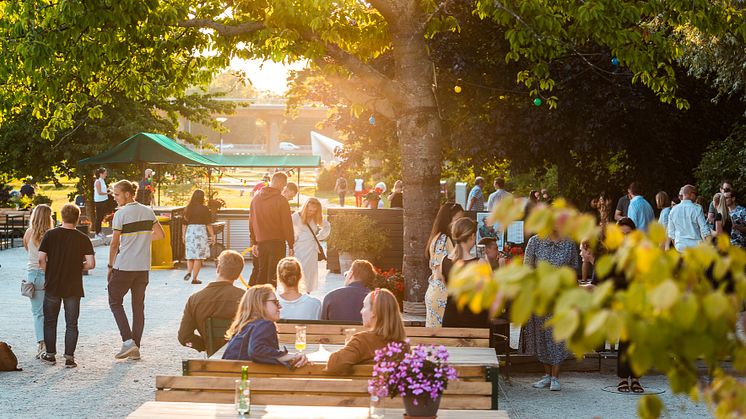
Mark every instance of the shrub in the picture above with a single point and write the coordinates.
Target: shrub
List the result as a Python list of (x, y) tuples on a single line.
[(357, 235)]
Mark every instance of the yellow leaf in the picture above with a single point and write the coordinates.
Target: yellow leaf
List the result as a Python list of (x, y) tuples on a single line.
[(507, 211), (564, 324), (664, 295), (614, 237), (649, 407), (475, 305), (540, 221), (520, 310), (596, 322), (614, 326), (723, 242), (645, 256), (715, 305), (657, 233), (604, 265), (686, 310)]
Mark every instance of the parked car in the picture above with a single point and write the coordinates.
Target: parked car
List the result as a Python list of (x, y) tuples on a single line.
[(286, 146)]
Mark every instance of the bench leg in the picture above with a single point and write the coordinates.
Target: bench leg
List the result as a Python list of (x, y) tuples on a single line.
[(184, 367), (493, 375)]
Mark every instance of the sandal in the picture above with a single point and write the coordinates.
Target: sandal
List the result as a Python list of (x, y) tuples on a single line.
[(188, 276), (623, 386), (637, 387)]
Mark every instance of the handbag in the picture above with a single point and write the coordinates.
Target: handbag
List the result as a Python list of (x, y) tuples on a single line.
[(322, 255), (27, 289)]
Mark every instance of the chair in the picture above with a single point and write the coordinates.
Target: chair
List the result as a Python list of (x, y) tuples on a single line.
[(215, 329)]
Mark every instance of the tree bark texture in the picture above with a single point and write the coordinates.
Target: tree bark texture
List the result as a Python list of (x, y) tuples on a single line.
[(419, 132)]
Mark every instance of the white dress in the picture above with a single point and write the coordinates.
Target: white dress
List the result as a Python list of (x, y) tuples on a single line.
[(306, 249), (304, 308)]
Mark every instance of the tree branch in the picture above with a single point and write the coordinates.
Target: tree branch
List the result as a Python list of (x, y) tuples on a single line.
[(223, 29), (386, 8)]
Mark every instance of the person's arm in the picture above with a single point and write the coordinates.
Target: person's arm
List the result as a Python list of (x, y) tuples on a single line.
[(252, 235), (186, 334), (210, 234), (702, 223), (114, 247), (43, 261), (342, 361), (158, 232), (529, 256), (287, 226), (26, 238), (90, 262), (263, 345)]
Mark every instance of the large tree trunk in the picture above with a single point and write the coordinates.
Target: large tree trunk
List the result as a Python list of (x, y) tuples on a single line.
[(419, 131)]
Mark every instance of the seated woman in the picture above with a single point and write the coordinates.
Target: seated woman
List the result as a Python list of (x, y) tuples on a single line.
[(253, 334), (295, 306), (383, 322)]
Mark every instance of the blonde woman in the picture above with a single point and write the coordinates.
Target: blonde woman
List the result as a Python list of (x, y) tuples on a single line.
[(722, 222), (383, 324), (296, 305), (41, 221), (253, 333), (310, 228)]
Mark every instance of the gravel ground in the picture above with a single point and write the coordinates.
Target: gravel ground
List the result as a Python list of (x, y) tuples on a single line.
[(102, 386)]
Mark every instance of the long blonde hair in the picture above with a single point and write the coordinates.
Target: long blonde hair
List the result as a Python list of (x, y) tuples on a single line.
[(251, 308), (387, 320), (462, 229), (41, 221), (722, 206), (318, 218)]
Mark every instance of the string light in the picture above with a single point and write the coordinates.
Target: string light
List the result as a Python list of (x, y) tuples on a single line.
[(372, 120)]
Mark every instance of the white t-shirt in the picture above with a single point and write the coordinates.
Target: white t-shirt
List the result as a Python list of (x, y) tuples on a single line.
[(135, 222), (304, 308), (97, 197), (358, 185)]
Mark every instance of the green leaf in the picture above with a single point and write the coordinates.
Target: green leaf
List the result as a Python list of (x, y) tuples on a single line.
[(664, 295), (521, 308), (649, 407), (564, 324)]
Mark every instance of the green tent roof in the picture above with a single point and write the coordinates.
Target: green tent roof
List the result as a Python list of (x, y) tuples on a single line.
[(145, 147), (264, 160)]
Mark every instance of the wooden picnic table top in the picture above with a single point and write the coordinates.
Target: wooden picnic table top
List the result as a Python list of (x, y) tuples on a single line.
[(216, 410), (457, 355)]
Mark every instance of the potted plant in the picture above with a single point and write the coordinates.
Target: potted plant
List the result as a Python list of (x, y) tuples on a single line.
[(214, 204), (419, 375), (392, 280), (355, 237)]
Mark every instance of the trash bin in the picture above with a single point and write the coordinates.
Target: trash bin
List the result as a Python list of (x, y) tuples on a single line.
[(161, 255)]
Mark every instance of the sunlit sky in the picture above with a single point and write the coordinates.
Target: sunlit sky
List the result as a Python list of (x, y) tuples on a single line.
[(266, 75)]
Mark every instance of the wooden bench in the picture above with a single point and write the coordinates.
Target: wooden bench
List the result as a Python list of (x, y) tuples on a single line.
[(334, 334), (213, 381)]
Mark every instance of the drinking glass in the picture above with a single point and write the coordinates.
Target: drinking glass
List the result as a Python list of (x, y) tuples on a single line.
[(348, 334), (300, 338), (243, 397), (376, 410)]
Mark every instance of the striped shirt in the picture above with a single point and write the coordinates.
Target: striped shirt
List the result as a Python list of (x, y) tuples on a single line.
[(135, 222)]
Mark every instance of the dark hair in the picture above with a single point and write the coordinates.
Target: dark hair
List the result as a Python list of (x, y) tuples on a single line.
[(488, 241), (635, 188), (626, 221), (197, 200), (500, 182), (442, 223), (99, 171), (728, 181), (532, 195)]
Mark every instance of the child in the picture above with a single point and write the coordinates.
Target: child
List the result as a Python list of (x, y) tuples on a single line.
[(253, 334), (383, 322)]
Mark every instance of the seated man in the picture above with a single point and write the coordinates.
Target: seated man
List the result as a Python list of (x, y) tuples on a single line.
[(219, 299), (345, 303)]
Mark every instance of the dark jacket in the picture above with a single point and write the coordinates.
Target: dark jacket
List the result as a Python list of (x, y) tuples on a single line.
[(218, 300), (257, 342), (269, 219), (344, 304)]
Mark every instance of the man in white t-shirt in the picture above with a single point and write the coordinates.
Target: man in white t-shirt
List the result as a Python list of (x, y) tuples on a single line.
[(358, 192), (135, 227)]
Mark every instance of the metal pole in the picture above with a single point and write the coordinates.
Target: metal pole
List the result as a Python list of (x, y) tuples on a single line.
[(299, 187), (209, 182)]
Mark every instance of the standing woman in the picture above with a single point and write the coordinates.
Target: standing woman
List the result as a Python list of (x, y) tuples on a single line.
[(535, 337), (41, 221), (723, 223), (464, 235), (100, 199), (310, 228), (396, 197), (438, 247), (198, 234)]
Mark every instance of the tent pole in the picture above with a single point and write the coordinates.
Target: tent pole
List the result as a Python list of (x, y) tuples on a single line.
[(209, 182), (299, 187), (158, 184)]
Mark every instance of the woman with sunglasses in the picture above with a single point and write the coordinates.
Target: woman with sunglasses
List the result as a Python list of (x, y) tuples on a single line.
[(383, 324), (253, 333)]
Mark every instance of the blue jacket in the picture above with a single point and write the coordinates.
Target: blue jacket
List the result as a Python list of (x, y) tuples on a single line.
[(257, 342)]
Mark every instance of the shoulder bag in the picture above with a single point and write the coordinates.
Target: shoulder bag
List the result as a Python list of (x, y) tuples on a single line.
[(322, 255)]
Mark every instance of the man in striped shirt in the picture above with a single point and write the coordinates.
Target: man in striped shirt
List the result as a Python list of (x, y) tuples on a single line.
[(135, 227)]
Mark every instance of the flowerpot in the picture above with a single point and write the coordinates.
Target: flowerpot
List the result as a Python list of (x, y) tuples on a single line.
[(425, 407), (345, 261)]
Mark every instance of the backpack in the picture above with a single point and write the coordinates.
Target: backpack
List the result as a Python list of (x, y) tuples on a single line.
[(8, 360)]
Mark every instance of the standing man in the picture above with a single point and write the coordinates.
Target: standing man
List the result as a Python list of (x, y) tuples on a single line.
[(622, 207), (135, 227), (340, 187), (270, 227), (639, 211), (475, 202), (145, 188), (61, 255), (726, 186), (498, 195), (290, 191), (687, 226)]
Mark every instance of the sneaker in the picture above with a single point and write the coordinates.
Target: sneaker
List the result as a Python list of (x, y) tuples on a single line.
[(128, 348), (48, 359), (187, 277), (41, 349), (543, 383), (196, 281), (135, 355), (555, 385), (70, 362)]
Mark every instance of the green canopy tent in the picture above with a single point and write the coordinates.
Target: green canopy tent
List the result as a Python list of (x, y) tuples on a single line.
[(144, 147)]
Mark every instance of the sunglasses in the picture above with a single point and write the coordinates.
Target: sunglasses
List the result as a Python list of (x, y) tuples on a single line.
[(276, 301), (726, 190)]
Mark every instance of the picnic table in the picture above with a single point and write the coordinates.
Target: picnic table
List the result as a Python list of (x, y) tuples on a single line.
[(457, 355), (221, 410)]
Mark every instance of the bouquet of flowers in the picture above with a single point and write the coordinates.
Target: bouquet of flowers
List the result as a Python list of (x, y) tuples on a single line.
[(420, 372), (393, 281)]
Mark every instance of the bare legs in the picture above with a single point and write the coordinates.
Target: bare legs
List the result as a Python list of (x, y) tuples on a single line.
[(193, 268)]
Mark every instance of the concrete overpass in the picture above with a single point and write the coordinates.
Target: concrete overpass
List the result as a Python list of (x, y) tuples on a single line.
[(259, 125)]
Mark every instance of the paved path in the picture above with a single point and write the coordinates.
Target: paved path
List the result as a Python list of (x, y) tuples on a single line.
[(104, 387)]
